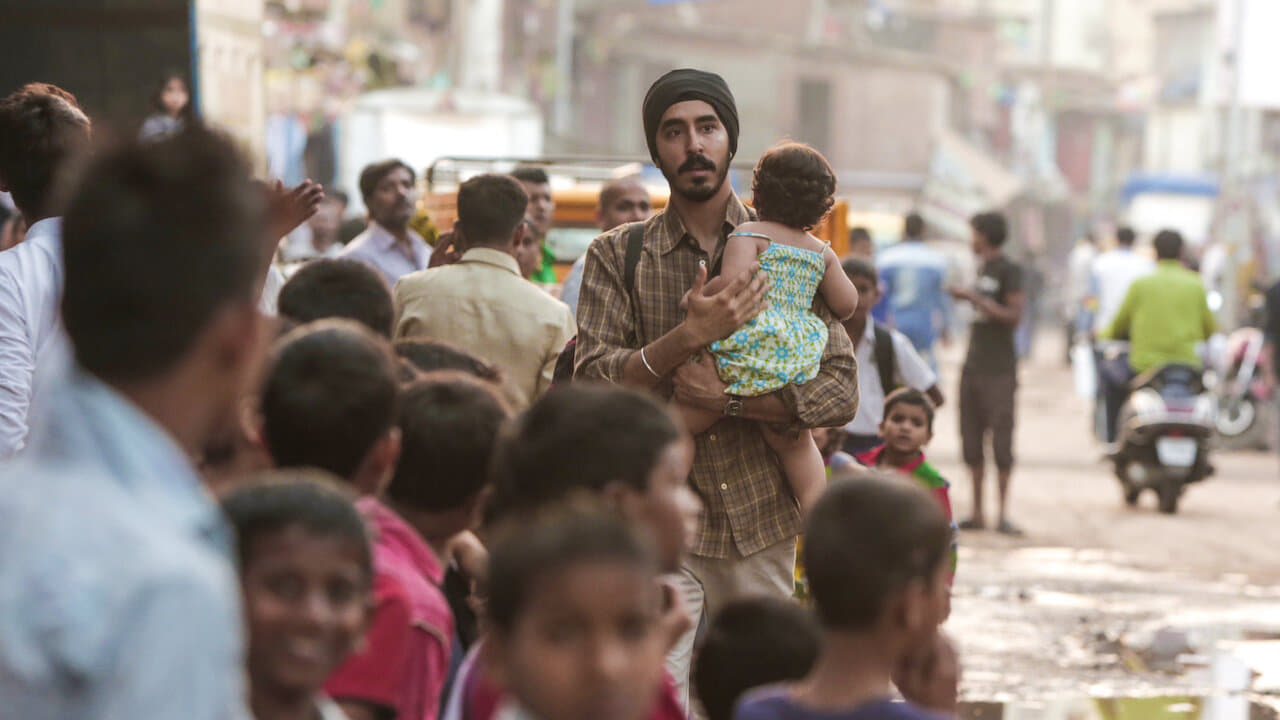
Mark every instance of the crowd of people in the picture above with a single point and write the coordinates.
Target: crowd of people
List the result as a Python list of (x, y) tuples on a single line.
[(410, 483)]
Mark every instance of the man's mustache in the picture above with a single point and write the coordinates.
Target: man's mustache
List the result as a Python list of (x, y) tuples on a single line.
[(697, 162)]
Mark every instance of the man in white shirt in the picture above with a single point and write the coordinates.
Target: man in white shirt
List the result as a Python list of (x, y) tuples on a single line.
[(41, 128), (1113, 272), (881, 368), (389, 246)]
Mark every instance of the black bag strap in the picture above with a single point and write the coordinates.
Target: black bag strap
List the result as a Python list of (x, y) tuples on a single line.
[(635, 243), (886, 358)]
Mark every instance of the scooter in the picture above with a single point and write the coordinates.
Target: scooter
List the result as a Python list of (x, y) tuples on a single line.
[(1166, 427)]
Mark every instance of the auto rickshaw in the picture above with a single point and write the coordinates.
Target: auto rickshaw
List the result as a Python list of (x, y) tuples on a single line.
[(575, 187)]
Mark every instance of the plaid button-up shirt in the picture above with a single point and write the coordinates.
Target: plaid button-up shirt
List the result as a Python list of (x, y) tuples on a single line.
[(748, 503)]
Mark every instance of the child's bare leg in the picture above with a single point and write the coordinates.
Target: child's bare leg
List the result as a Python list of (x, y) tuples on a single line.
[(696, 420), (802, 463)]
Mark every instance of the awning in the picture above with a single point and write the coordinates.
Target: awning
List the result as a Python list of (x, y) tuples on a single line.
[(963, 180)]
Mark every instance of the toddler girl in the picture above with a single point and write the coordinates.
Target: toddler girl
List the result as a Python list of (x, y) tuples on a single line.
[(793, 191)]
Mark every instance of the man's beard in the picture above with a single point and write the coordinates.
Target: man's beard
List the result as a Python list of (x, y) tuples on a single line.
[(701, 192)]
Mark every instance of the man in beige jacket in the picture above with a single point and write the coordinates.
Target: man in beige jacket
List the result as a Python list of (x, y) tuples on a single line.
[(481, 304)]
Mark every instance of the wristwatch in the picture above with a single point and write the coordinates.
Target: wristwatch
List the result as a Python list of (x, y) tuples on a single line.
[(733, 408)]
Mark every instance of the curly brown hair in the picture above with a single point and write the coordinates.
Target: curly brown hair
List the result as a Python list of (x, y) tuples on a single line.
[(794, 185)]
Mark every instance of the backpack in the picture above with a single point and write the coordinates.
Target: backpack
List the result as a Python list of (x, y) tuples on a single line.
[(635, 243), (886, 358)]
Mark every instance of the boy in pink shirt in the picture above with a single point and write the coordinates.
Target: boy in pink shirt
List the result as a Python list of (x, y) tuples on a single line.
[(330, 400)]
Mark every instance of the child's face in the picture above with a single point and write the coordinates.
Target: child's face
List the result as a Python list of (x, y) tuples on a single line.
[(669, 508), (586, 646), (307, 603), (175, 96), (868, 295), (906, 428)]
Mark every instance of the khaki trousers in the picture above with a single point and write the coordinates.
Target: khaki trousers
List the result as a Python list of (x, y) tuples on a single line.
[(709, 584)]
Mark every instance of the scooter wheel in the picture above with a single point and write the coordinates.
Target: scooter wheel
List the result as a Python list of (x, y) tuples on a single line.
[(1131, 495), (1169, 495)]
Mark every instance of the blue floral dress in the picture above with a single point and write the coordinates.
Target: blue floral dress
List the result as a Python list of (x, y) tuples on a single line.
[(782, 345)]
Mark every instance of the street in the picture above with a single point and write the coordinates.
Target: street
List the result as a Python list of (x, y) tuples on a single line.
[(1071, 608)]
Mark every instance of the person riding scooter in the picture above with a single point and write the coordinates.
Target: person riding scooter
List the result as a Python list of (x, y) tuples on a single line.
[(1164, 316)]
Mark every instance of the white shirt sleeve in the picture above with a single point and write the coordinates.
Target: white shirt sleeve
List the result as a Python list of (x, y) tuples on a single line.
[(913, 371), (17, 368)]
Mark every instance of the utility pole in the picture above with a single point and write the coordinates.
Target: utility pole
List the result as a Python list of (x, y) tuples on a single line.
[(562, 107)]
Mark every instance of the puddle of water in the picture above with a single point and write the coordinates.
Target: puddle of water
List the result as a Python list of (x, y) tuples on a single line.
[(1131, 708)]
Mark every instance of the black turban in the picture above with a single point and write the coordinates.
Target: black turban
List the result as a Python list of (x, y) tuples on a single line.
[(687, 84)]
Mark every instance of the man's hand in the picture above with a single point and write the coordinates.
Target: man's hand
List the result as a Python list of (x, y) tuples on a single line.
[(698, 385), (929, 676), (963, 294), (446, 251), (675, 621), (287, 209), (715, 317)]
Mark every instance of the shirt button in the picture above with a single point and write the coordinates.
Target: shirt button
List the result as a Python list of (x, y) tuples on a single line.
[(712, 437), (724, 486)]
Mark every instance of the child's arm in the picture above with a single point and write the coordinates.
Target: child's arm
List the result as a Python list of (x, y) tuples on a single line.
[(740, 252), (836, 288)]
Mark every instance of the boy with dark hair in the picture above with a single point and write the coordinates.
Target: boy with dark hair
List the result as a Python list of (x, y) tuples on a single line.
[(449, 423), (389, 245), (42, 129), (332, 288), (611, 441), (428, 356), (614, 444), (876, 554), (330, 400), (481, 303), (586, 572), (163, 257), (305, 573), (989, 381), (886, 358), (751, 643), (907, 428)]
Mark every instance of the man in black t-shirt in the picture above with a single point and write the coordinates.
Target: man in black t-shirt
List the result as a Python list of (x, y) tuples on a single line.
[(990, 378)]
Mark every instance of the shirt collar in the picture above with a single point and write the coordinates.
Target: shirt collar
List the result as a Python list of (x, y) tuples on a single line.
[(47, 234), (384, 240), (393, 532), (492, 256), (735, 214), (871, 458)]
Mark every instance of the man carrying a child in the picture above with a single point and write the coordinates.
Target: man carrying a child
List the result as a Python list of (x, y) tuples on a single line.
[(645, 322)]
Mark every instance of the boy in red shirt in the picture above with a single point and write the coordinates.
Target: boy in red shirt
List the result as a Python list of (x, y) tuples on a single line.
[(331, 400)]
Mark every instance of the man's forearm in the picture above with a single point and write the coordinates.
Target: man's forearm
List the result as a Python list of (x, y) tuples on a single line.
[(769, 408), (662, 355)]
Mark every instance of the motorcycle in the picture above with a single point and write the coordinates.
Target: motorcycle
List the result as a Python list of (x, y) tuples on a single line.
[(1165, 430), (1242, 392)]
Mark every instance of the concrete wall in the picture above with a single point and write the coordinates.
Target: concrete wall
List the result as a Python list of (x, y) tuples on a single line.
[(893, 133), (109, 53)]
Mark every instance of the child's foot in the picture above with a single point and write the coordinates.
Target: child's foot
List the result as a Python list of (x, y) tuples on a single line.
[(973, 523), (1007, 528)]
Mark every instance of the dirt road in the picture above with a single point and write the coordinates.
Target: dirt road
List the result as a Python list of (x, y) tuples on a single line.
[(1059, 611)]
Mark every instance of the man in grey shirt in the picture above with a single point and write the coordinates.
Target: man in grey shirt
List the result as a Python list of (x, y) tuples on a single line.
[(117, 594)]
